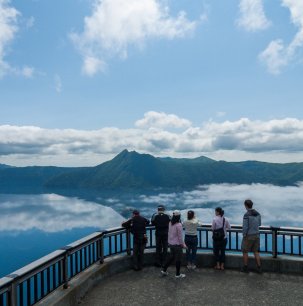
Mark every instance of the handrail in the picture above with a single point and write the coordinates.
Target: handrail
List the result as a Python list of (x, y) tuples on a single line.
[(28, 285)]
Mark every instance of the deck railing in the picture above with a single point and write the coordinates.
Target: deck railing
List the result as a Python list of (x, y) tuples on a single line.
[(33, 282)]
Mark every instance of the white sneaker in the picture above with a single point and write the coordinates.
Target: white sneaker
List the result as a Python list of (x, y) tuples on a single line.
[(180, 276), (189, 267), (193, 267), (164, 273)]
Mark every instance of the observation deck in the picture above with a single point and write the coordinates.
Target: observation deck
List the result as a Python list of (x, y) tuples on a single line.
[(96, 270)]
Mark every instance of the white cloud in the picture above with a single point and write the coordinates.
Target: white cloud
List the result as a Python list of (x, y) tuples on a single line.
[(92, 65), (252, 15), (30, 22), (8, 29), (27, 72), (162, 120), (116, 25), (153, 135), (278, 54), (53, 213), (58, 83)]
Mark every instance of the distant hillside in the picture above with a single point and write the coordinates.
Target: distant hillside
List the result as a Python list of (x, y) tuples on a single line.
[(134, 170), (13, 178)]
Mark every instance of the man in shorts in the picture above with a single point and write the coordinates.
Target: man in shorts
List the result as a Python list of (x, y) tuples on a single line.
[(251, 236)]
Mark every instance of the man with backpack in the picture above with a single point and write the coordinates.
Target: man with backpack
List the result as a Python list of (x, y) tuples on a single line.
[(251, 236), (161, 221), (137, 225)]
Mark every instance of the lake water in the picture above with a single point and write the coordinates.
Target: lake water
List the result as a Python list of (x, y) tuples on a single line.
[(32, 226)]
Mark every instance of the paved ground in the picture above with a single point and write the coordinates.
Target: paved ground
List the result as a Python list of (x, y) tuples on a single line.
[(200, 287)]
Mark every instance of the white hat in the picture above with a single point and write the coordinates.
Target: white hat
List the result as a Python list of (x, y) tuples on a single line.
[(176, 213)]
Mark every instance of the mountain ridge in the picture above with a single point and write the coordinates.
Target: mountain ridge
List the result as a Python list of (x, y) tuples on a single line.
[(132, 170)]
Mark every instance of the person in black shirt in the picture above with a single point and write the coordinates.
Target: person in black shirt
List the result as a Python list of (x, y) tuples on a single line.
[(137, 225), (161, 221)]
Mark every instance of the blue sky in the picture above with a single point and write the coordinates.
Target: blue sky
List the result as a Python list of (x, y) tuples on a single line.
[(80, 80)]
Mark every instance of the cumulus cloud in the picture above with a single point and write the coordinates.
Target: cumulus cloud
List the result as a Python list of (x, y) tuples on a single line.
[(153, 134), (252, 16), (8, 29), (116, 25), (162, 120), (278, 54), (53, 213)]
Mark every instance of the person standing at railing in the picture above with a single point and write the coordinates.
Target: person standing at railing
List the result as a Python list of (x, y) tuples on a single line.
[(251, 236), (220, 225), (137, 225), (176, 244), (161, 221), (191, 238)]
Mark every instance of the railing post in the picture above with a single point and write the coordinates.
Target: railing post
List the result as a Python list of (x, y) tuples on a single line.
[(274, 233), (128, 242), (13, 290), (65, 266), (101, 250)]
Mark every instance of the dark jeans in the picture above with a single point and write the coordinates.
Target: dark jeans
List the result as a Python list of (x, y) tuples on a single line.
[(191, 251), (138, 253), (175, 255), (161, 248), (219, 250)]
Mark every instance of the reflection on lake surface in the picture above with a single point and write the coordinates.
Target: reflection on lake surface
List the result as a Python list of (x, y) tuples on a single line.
[(53, 213), (33, 225)]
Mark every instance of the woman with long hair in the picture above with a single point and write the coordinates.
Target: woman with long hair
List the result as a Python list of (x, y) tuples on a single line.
[(219, 227), (191, 238), (176, 244)]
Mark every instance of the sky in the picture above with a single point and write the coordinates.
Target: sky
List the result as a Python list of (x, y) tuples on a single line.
[(82, 80)]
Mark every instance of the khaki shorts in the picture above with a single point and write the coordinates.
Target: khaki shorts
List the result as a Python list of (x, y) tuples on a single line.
[(251, 243)]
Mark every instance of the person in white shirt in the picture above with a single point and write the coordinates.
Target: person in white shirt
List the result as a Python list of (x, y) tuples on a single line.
[(219, 225), (191, 238)]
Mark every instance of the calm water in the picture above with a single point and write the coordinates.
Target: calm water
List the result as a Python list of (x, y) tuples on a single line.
[(32, 226)]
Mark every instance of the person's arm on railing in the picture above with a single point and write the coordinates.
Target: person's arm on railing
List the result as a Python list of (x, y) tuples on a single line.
[(127, 224)]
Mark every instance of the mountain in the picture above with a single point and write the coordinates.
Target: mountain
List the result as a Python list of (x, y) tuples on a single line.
[(134, 170), (32, 178), (2, 166)]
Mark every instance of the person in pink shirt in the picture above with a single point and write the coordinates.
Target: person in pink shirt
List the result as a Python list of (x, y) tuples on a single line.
[(176, 244)]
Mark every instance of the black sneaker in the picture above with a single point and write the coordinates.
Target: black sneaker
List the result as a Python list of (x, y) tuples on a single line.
[(259, 270), (244, 269)]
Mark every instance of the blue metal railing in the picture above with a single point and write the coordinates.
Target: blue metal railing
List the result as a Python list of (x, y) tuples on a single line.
[(33, 282)]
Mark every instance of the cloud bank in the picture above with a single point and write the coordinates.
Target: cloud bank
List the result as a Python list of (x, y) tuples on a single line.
[(156, 134), (117, 25)]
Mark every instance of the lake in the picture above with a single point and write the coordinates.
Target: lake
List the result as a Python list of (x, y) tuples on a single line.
[(33, 225)]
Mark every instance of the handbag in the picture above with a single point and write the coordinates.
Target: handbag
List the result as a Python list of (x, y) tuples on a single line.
[(219, 234)]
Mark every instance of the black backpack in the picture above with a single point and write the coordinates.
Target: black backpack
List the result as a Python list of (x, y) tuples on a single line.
[(219, 234)]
